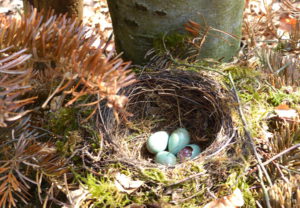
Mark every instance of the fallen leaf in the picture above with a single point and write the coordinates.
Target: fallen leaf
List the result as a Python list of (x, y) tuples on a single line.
[(126, 184), (287, 23), (77, 197), (232, 201), (286, 114), (282, 107)]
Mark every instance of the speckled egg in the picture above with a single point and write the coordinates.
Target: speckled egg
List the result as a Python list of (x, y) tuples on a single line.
[(178, 140), (157, 142), (188, 152), (165, 158)]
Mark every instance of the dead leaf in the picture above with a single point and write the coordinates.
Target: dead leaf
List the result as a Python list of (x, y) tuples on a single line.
[(282, 107), (77, 197), (287, 23), (126, 184), (232, 201), (286, 113)]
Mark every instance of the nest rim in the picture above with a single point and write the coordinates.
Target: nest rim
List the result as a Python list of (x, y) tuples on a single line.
[(202, 85)]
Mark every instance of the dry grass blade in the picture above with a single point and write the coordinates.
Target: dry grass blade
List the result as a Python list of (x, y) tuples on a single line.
[(198, 32), (282, 70), (285, 194), (285, 150), (49, 161), (292, 6)]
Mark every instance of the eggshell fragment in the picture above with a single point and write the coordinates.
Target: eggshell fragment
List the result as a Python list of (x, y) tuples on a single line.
[(188, 152)]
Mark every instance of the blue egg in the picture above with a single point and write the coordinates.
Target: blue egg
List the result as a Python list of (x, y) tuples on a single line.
[(178, 140), (157, 142), (165, 158)]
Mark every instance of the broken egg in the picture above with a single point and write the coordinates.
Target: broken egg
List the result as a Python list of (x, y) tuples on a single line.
[(188, 152)]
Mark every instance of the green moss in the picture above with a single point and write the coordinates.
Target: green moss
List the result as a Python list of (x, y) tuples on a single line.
[(189, 169), (105, 193), (171, 40), (63, 121), (237, 179), (284, 45), (174, 42), (155, 174), (279, 96), (244, 77)]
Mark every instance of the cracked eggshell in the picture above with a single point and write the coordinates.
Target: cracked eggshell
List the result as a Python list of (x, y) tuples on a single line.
[(165, 158), (157, 142), (178, 140), (188, 152), (196, 150)]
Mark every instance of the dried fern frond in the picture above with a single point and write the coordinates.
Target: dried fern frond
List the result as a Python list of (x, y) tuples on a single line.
[(285, 194), (67, 45), (285, 137), (46, 159), (23, 155), (291, 6), (13, 78), (13, 183), (282, 70), (64, 47)]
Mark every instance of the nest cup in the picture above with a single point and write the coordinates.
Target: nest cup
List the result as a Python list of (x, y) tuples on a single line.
[(166, 101)]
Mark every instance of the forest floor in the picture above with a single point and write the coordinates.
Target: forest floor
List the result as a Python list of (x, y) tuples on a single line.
[(259, 168)]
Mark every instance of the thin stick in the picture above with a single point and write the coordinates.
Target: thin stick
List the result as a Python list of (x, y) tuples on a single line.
[(67, 190), (280, 154), (248, 135), (190, 197), (54, 93), (266, 195), (247, 132), (179, 114)]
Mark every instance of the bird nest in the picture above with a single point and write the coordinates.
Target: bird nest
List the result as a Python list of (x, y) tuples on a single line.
[(166, 101)]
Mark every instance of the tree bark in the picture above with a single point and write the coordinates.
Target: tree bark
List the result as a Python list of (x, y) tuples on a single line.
[(71, 7), (137, 23)]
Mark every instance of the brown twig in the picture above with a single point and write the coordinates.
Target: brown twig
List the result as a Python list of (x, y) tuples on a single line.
[(280, 154), (249, 137)]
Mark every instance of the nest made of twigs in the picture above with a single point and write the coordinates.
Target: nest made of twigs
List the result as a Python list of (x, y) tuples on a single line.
[(168, 100)]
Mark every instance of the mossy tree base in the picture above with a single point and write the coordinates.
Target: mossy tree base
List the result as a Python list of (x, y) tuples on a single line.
[(137, 22)]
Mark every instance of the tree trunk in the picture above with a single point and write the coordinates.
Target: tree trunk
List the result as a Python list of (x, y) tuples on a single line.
[(137, 23), (71, 7)]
